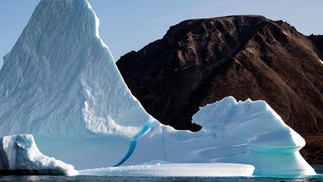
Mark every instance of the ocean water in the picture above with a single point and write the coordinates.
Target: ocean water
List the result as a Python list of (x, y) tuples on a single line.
[(318, 168), (150, 179)]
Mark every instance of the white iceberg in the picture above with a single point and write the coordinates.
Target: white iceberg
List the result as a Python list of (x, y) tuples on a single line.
[(60, 84), (252, 132), (19, 153)]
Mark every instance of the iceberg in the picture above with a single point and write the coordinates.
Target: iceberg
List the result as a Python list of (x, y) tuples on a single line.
[(60, 84), (20, 155), (259, 134), (61, 79)]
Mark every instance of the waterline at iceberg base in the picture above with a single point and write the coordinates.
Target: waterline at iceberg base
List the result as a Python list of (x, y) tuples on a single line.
[(60, 84)]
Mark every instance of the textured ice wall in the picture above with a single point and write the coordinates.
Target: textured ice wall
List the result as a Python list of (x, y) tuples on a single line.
[(60, 78), (60, 83), (254, 127), (20, 153), (248, 132)]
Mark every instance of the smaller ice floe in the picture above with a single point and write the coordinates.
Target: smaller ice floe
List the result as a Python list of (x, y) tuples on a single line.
[(175, 169), (20, 155)]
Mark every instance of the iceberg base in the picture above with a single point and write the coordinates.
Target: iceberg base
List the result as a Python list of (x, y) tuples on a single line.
[(175, 169)]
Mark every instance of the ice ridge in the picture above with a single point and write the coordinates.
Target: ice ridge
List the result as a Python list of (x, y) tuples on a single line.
[(60, 78)]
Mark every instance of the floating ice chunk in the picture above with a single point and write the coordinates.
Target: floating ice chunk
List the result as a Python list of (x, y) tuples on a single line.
[(179, 169), (19, 153)]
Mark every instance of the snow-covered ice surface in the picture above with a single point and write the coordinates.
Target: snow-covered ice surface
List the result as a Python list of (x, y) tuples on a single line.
[(60, 84), (19, 152), (169, 169)]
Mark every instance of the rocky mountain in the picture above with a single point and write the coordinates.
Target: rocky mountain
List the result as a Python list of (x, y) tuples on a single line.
[(201, 61)]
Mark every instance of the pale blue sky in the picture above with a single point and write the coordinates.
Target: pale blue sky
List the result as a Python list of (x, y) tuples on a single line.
[(131, 24)]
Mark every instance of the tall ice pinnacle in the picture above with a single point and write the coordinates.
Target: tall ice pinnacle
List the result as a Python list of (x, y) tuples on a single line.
[(60, 78)]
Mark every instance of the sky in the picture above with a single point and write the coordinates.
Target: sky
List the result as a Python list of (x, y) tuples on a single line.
[(127, 25)]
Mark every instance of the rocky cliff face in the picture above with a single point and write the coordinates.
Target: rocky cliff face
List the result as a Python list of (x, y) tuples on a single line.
[(201, 61)]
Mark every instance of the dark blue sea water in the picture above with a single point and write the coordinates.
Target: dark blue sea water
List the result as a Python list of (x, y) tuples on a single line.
[(150, 179), (318, 168)]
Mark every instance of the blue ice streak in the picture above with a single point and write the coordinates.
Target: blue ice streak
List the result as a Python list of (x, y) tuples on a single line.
[(134, 140)]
